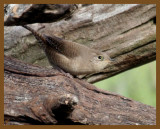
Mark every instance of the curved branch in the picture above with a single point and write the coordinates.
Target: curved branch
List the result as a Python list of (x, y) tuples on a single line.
[(48, 97)]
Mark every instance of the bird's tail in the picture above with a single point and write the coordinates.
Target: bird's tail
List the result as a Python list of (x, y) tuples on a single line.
[(38, 36)]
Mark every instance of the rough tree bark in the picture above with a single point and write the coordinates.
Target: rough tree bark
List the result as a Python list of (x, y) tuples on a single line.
[(36, 95)]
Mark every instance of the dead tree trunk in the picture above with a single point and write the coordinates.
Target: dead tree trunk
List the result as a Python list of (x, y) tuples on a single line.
[(36, 95)]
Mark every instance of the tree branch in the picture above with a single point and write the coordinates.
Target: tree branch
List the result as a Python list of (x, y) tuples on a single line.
[(21, 14), (51, 98), (125, 32)]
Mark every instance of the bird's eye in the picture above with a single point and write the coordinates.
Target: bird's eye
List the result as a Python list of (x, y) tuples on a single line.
[(100, 57)]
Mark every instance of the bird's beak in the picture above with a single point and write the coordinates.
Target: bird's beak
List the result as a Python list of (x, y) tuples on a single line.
[(112, 59)]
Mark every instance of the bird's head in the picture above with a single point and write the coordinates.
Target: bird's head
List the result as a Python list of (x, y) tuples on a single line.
[(100, 61)]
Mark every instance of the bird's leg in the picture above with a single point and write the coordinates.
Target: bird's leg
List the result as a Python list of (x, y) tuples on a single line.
[(63, 73)]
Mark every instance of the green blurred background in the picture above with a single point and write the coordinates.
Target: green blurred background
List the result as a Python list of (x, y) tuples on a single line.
[(138, 83)]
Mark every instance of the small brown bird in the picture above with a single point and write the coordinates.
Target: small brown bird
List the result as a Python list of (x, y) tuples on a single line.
[(71, 57)]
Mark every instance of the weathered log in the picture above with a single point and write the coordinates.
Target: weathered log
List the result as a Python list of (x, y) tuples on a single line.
[(35, 95), (126, 32)]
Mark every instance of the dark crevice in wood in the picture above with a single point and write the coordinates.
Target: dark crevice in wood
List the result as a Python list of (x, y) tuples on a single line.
[(61, 115), (24, 119), (30, 74), (154, 20)]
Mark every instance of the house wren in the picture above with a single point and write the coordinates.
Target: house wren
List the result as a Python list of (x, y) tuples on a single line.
[(71, 57)]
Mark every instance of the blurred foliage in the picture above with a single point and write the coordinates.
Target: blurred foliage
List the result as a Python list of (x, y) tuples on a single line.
[(138, 84)]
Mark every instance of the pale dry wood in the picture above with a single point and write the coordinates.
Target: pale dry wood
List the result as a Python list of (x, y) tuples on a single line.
[(126, 32)]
